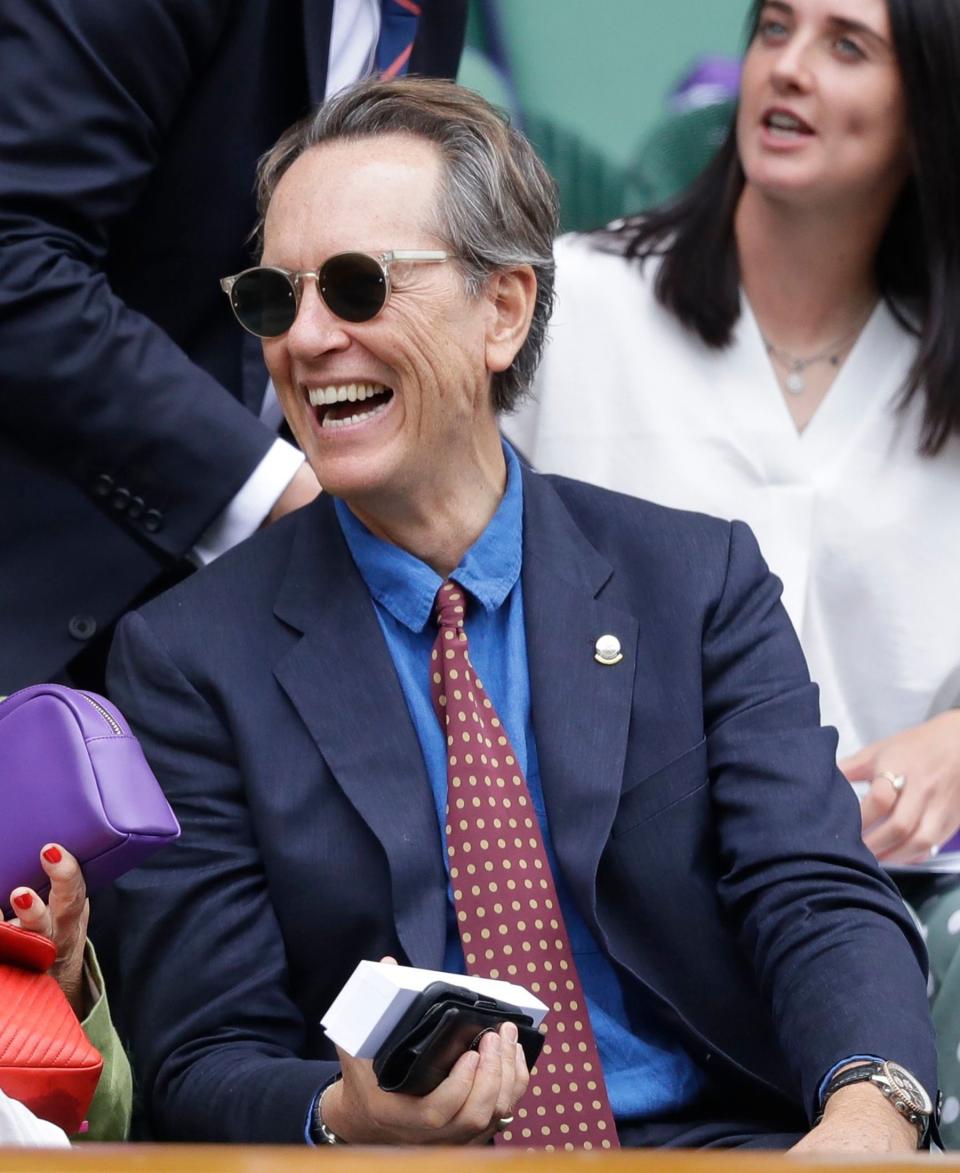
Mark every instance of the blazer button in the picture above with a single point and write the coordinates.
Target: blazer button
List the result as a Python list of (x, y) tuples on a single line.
[(82, 627), (152, 520), (103, 485), (120, 500), (135, 508)]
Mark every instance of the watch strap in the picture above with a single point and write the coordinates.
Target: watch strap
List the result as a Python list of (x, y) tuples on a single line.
[(319, 1132), (852, 1075), (875, 1071)]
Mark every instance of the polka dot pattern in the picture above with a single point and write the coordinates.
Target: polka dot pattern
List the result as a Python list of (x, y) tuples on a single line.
[(508, 914)]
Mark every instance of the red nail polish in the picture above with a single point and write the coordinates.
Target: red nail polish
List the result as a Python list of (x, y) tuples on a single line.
[(52, 855), (24, 900)]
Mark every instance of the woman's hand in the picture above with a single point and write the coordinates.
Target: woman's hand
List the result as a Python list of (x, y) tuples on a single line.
[(63, 919), (906, 824)]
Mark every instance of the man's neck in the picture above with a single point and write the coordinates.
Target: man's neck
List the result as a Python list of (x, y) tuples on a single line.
[(445, 517), (807, 272)]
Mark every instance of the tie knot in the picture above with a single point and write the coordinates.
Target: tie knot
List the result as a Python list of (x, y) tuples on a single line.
[(451, 605)]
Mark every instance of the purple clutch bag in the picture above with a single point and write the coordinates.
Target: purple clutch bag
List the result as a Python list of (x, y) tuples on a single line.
[(71, 772)]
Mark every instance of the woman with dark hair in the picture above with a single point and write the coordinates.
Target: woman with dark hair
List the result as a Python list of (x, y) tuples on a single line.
[(782, 345)]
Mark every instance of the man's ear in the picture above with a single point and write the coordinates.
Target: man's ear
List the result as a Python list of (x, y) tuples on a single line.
[(512, 294)]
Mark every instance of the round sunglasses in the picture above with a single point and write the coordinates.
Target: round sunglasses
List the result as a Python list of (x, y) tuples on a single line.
[(354, 286)]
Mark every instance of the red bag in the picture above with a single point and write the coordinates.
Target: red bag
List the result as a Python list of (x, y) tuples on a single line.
[(46, 1061)]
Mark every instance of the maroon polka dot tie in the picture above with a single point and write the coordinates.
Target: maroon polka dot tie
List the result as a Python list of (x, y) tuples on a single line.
[(507, 910)]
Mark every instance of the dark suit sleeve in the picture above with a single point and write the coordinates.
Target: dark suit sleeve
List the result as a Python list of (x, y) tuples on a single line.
[(90, 91), (833, 946), (217, 1038), (440, 33)]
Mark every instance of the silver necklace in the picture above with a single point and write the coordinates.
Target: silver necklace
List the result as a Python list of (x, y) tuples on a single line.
[(795, 382)]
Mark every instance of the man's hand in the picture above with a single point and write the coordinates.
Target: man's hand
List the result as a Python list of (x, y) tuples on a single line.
[(63, 919), (902, 828), (483, 1087), (301, 491), (859, 1119)]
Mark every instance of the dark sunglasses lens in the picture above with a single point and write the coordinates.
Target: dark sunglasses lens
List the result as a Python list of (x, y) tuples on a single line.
[(264, 302), (353, 286)]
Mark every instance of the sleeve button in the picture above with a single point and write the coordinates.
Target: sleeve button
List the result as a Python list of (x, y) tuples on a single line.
[(103, 485), (82, 627), (135, 508), (120, 500), (152, 520)]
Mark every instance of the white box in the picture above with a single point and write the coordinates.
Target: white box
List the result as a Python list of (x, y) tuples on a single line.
[(377, 994)]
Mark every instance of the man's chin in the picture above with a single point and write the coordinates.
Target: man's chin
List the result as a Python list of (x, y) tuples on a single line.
[(363, 479)]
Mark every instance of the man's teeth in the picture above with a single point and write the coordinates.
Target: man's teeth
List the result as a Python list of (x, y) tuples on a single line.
[(328, 422), (327, 396)]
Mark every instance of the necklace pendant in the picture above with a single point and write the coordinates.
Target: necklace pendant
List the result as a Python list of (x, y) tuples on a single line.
[(795, 383)]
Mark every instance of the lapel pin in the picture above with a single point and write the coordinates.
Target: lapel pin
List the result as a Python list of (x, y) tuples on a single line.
[(607, 650)]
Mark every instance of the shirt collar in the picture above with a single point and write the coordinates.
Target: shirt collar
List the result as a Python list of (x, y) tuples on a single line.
[(407, 587)]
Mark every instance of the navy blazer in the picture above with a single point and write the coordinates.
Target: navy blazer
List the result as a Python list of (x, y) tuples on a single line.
[(698, 816), (129, 135)]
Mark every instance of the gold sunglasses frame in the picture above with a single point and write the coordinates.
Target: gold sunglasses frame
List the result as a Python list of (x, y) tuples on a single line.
[(296, 279)]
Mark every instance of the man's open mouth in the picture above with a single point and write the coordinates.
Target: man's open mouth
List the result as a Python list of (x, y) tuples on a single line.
[(349, 403)]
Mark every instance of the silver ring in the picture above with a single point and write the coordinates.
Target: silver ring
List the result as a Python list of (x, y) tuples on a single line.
[(504, 1123), (897, 781)]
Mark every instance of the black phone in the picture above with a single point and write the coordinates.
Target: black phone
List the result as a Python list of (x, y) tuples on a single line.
[(442, 1023)]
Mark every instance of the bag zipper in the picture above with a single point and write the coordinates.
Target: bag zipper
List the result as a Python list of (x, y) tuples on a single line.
[(104, 714)]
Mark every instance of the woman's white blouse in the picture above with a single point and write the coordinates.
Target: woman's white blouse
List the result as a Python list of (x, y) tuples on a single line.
[(863, 531)]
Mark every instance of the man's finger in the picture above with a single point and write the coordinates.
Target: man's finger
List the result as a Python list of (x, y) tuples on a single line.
[(444, 1104), (521, 1079), (478, 1114), (508, 1070)]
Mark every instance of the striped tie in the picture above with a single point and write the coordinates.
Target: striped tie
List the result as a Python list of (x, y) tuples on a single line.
[(398, 29)]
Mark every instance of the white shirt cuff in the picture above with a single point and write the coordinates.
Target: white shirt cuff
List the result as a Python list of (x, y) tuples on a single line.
[(256, 498), (19, 1127)]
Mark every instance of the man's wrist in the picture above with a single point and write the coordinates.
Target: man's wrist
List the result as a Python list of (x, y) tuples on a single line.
[(865, 1102), (903, 1093), (321, 1130)]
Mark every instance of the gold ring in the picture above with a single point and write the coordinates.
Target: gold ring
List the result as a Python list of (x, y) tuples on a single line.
[(504, 1122), (897, 781)]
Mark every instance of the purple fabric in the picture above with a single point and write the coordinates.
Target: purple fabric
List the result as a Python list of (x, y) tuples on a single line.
[(71, 772), (952, 844), (710, 80)]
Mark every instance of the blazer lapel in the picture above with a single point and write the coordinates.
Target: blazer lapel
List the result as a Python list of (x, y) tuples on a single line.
[(342, 682), (581, 708)]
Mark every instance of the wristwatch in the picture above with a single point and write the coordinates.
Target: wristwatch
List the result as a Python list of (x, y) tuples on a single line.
[(903, 1090)]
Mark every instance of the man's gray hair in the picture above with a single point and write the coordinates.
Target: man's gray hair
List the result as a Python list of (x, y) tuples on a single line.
[(497, 206)]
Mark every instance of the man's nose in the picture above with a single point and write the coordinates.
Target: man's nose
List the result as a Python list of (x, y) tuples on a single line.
[(315, 329)]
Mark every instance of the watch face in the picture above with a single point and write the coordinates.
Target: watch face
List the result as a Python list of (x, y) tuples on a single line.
[(908, 1089)]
